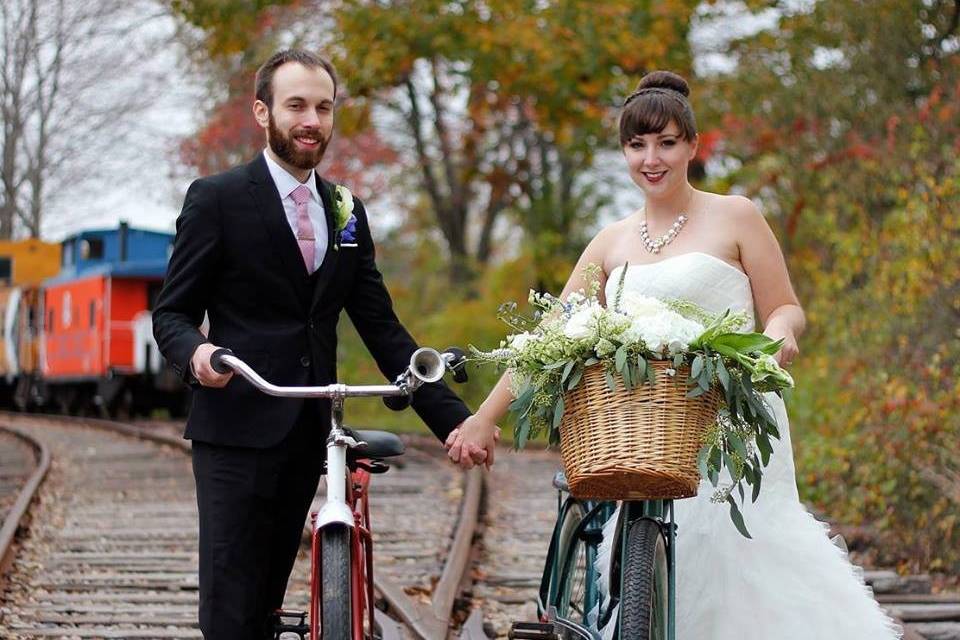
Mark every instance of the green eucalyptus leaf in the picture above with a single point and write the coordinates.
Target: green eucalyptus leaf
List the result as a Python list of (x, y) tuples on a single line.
[(738, 447), (523, 433), (642, 366), (620, 358), (611, 383), (677, 360), (737, 518), (723, 375), (696, 392), (763, 444), (696, 367), (557, 413), (566, 371), (702, 458), (575, 378), (627, 374), (757, 479)]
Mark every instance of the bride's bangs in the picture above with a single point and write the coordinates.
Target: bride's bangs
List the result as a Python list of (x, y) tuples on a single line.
[(652, 113)]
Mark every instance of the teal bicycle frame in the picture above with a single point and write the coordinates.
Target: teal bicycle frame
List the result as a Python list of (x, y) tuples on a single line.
[(560, 569)]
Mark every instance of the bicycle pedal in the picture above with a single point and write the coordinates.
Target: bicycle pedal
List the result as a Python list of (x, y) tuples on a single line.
[(532, 631), (286, 621)]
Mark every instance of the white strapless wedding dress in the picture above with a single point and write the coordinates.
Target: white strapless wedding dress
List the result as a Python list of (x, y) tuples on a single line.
[(789, 582)]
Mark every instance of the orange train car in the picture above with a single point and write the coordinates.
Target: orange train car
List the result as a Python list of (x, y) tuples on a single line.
[(97, 348)]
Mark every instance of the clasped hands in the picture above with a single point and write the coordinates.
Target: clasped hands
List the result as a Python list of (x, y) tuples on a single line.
[(473, 442)]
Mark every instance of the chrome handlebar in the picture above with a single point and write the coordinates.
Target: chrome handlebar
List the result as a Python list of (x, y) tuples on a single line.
[(426, 365)]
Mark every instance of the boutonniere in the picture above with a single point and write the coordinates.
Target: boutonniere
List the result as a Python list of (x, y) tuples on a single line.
[(345, 221)]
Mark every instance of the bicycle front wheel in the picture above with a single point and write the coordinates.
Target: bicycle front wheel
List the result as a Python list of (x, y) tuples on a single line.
[(335, 583), (645, 604), (570, 586)]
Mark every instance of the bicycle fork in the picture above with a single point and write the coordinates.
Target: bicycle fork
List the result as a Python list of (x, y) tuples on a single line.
[(336, 511)]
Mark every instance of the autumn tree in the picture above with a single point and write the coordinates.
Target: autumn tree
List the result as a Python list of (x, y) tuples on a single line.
[(499, 105), (841, 120)]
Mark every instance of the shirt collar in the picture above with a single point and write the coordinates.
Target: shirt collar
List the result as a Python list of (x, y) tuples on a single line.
[(286, 183)]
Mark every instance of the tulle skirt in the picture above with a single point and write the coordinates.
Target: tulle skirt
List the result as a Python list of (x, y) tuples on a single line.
[(789, 582)]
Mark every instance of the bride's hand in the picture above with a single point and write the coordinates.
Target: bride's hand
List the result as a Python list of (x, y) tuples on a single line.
[(473, 442), (788, 350)]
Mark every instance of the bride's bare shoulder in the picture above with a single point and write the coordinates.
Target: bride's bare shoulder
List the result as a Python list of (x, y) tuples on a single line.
[(733, 205), (610, 234)]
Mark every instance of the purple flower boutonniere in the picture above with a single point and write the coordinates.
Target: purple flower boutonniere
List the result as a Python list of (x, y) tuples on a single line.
[(346, 222)]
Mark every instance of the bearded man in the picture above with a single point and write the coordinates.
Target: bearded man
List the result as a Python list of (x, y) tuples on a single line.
[(272, 253)]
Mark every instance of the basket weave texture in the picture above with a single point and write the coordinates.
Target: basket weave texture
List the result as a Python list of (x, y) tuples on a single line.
[(640, 444)]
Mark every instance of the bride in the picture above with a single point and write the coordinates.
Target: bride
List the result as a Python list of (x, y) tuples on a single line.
[(789, 581)]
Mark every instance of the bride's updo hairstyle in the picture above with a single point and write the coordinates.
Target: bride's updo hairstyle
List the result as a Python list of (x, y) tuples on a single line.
[(660, 97)]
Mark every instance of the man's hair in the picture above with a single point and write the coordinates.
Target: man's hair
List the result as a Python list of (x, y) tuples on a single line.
[(263, 84)]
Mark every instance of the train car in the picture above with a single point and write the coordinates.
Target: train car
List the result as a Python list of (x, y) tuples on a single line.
[(24, 265), (97, 350)]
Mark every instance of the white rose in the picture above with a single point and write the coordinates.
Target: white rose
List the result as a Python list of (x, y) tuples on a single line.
[(583, 322), (636, 305)]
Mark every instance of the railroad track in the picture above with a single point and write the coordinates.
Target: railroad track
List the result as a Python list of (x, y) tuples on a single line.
[(111, 551), (111, 548)]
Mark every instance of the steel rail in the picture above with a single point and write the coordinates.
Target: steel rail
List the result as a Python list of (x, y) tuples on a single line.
[(433, 622), (21, 507)]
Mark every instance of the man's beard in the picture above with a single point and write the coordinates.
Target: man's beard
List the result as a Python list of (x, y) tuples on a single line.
[(285, 148)]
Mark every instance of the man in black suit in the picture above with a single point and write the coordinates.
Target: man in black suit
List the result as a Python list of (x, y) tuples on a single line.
[(262, 251)]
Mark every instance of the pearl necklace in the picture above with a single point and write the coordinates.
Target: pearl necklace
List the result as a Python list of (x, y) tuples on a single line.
[(654, 246)]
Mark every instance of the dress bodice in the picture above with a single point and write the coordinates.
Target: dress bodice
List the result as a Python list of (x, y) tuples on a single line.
[(697, 277)]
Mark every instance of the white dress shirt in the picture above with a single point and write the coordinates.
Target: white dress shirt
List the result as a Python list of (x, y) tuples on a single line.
[(286, 183)]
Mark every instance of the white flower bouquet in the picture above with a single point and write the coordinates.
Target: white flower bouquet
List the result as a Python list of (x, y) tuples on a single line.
[(549, 352)]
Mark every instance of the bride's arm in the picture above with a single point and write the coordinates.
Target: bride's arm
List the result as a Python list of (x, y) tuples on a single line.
[(777, 306), (474, 441)]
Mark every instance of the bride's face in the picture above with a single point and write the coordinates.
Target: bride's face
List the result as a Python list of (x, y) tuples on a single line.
[(658, 161)]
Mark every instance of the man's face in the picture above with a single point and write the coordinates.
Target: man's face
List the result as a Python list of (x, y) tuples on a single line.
[(300, 123)]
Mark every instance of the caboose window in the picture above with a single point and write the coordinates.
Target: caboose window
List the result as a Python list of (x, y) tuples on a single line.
[(93, 314), (50, 317), (6, 269), (91, 249)]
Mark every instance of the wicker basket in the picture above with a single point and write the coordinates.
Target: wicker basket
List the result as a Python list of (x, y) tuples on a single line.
[(634, 445)]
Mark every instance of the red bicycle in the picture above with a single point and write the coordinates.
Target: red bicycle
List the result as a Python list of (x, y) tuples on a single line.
[(341, 585)]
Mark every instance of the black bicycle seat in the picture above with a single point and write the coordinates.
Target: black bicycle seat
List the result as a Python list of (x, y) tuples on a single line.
[(380, 444)]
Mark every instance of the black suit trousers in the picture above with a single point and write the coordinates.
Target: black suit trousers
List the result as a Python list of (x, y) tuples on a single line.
[(253, 504)]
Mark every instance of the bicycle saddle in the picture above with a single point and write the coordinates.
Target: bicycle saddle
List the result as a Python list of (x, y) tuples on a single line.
[(380, 444)]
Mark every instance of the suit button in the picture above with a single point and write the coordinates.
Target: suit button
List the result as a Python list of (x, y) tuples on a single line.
[(305, 361), (311, 325)]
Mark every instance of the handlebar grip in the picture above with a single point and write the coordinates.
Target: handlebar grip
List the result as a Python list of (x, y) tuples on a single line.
[(457, 364), (397, 403), (217, 363)]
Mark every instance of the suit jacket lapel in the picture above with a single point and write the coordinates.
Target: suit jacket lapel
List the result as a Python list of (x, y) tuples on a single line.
[(332, 255), (270, 208)]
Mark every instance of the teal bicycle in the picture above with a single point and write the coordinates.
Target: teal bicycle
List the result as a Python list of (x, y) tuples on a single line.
[(638, 592)]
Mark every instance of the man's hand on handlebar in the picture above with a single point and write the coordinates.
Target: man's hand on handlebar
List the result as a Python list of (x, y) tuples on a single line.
[(202, 369)]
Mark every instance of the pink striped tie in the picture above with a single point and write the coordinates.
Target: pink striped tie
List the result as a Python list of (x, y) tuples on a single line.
[(305, 237)]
